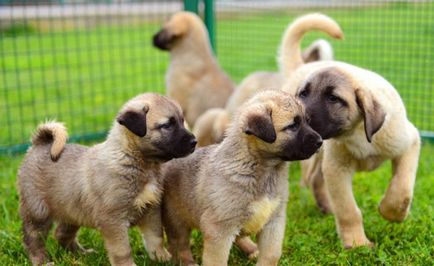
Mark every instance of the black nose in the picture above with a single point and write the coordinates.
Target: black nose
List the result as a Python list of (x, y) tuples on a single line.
[(313, 139), (193, 143)]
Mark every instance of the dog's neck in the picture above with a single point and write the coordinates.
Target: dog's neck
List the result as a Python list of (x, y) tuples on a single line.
[(192, 61), (248, 161), (121, 147)]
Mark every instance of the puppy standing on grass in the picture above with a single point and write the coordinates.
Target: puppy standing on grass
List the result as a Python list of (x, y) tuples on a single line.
[(110, 186), (240, 186), (364, 121), (210, 126)]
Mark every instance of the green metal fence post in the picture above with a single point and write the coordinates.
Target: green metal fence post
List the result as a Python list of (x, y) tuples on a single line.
[(210, 22), (192, 5)]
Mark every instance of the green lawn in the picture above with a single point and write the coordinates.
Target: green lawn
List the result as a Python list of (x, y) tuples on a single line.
[(310, 236), (83, 75)]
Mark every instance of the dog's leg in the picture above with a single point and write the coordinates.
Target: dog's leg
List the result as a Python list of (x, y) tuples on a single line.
[(66, 235), (349, 222), (152, 233), (178, 237), (34, 233), (216, 248), (247, 246), (270, 239), (117, 244), (312, 176), (396, 203)]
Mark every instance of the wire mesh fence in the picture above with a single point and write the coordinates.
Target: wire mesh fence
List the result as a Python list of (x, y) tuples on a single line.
[(394, 39), (78, 62)]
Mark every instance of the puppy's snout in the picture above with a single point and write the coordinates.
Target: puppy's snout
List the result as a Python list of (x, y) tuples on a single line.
[(313, 139), (159, 40)]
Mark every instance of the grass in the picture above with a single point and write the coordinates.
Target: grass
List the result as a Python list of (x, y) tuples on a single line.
[(81, 74), (310, 238)]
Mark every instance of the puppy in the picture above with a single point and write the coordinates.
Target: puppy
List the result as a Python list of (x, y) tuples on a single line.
[(194, 78), (240, 186), (110, 186), (290, 57), (364, 121)]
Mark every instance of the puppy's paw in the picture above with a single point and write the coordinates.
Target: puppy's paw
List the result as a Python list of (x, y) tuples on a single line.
[(359, 243), (51, 263), (254, 255), (161, 255), (395, 211)]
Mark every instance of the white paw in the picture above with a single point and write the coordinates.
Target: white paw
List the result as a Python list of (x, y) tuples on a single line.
[(160, 254)]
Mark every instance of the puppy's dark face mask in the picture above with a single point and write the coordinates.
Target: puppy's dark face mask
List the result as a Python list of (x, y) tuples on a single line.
[(164, 39), (334, 106), (327, 103), (174, 141)]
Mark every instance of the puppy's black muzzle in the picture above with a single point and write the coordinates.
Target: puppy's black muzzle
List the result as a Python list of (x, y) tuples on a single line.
[(303, 146), (162, 40)]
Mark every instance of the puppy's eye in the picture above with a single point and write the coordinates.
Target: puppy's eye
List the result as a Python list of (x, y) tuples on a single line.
[(165, 125), (303, 94), (169, 124), (293, 127), (305, 91), (333, 99)]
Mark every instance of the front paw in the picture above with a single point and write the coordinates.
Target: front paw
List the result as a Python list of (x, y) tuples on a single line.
[(394, 211), (358, 243), (161, 255)]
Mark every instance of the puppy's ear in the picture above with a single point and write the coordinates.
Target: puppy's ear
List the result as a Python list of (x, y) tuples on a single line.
[(135, 121), (311, 55), (261, 126), (373, 113)]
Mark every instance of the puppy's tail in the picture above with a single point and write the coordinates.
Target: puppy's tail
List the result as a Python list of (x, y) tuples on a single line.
[(290, 57), (53, 133)]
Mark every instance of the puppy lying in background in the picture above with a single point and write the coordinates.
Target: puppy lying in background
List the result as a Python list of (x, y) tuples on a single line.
[(364, 121), (210, 127), (240, 186), (110, 186), (194, 79)]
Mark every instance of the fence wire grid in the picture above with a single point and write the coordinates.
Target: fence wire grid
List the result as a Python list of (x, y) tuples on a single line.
[(77, 62)]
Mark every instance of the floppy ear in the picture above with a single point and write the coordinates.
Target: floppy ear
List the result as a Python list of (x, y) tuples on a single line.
[(261, 126), (373, 114), (135, 121), (311, 55)]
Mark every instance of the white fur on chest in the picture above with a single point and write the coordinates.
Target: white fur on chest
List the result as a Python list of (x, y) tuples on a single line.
[(151, 194), (261, 212)]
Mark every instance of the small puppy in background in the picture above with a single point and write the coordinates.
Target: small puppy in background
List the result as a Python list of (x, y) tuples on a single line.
[(364, 122), (240, 186), (209, 127), (194, 78), (110, 186)]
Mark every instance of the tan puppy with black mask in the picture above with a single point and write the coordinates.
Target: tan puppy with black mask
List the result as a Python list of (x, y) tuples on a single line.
[(240, 186), (110, 186), (210, 126), (364, 122)]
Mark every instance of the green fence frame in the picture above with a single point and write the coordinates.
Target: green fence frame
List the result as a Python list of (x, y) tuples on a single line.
[(209, 17)]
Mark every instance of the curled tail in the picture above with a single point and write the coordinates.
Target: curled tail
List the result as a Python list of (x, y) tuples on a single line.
[(53, 133), (290, 57)]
